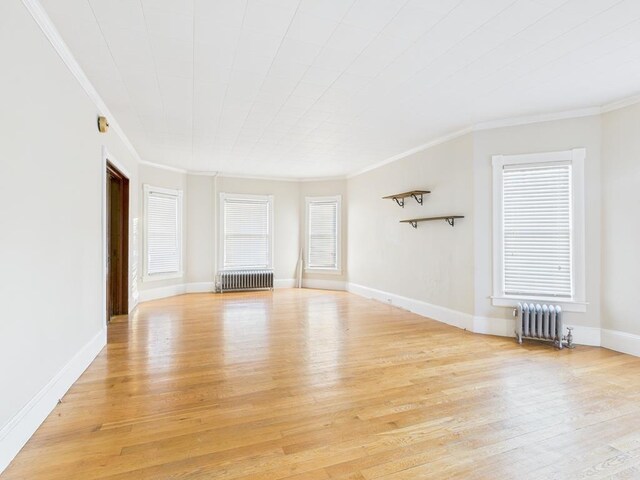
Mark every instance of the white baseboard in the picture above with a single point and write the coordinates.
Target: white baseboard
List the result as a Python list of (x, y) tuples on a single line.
[(15, 434), (132, 306), (200, 287), (586, 335), (284, 283), (322, 284), (504, 327), (161, 292), (621, 341), (173, 290), (441, 314)]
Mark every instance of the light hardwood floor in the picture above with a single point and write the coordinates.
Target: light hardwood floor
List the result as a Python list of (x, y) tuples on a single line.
[(305, 384)]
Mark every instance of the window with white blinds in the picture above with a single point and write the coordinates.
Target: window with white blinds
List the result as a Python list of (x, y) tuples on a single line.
[(537, 230), (163, 231), (323, 233), (246, 232)]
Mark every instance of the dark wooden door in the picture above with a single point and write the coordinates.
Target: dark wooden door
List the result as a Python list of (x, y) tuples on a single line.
[(117, 242)]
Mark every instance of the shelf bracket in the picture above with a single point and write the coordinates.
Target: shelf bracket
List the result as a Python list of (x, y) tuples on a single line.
[(413, 224), (399, 201), (418, 198), (451, 221)]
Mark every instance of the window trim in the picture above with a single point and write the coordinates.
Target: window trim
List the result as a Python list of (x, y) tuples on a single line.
[(576, 157), (338, 269), (221, 234), (146, 276)]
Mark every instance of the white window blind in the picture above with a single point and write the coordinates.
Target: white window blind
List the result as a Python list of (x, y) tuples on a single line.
[(246, 232), (322, 241), (163, 231), (537, 230)]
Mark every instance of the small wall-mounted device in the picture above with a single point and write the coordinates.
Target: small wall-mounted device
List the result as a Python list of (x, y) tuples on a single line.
[(103, 124)]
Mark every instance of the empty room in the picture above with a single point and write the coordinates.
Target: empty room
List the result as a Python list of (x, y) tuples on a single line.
[(320, 239)]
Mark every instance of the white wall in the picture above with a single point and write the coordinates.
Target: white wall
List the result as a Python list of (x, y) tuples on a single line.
[(51, 236), (433, 263), (289, 225), (326, 189), (451, 269), (51, 170), (201, 227), (160, 177), (203, 223), (534, 138), (286, 215), (621, 220)]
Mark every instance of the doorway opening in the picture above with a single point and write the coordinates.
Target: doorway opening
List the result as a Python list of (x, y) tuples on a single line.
[(117, 190)]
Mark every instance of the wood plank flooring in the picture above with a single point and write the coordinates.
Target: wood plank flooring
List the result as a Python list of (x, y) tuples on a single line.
[(313, 385)]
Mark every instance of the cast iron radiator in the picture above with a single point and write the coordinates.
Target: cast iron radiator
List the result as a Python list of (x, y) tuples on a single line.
[(232, 280), (541, 322)]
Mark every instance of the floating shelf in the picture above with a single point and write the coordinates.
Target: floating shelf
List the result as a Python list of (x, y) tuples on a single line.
[(416, 194), (450, 219)]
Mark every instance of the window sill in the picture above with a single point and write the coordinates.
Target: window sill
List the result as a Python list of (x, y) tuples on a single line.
[(328, 271), (161, 276), (566, 305), (245, 269)]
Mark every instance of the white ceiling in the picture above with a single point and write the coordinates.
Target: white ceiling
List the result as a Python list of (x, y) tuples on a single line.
[(314, 88)]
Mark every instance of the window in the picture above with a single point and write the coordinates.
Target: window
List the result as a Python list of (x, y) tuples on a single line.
[(163, 233), (539, 228), (323, 233), (246, 231)]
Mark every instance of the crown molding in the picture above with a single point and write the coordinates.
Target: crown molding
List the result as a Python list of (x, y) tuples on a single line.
[(51, 32), (211, 173), (538, 118), (163, 167), (481, 126), (618, 104), (280, 179), (323, 179), (490, 125), (203, 173), (420, 148), (507, 122), (48, 28), (258, 177)]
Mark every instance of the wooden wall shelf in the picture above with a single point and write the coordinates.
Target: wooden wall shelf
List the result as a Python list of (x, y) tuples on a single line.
[(450, 219), (416, 194)]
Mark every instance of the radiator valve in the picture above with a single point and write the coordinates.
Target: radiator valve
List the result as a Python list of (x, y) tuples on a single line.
[(569, 337)]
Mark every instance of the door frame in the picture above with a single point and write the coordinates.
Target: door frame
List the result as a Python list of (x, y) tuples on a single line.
[(109, 161)]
